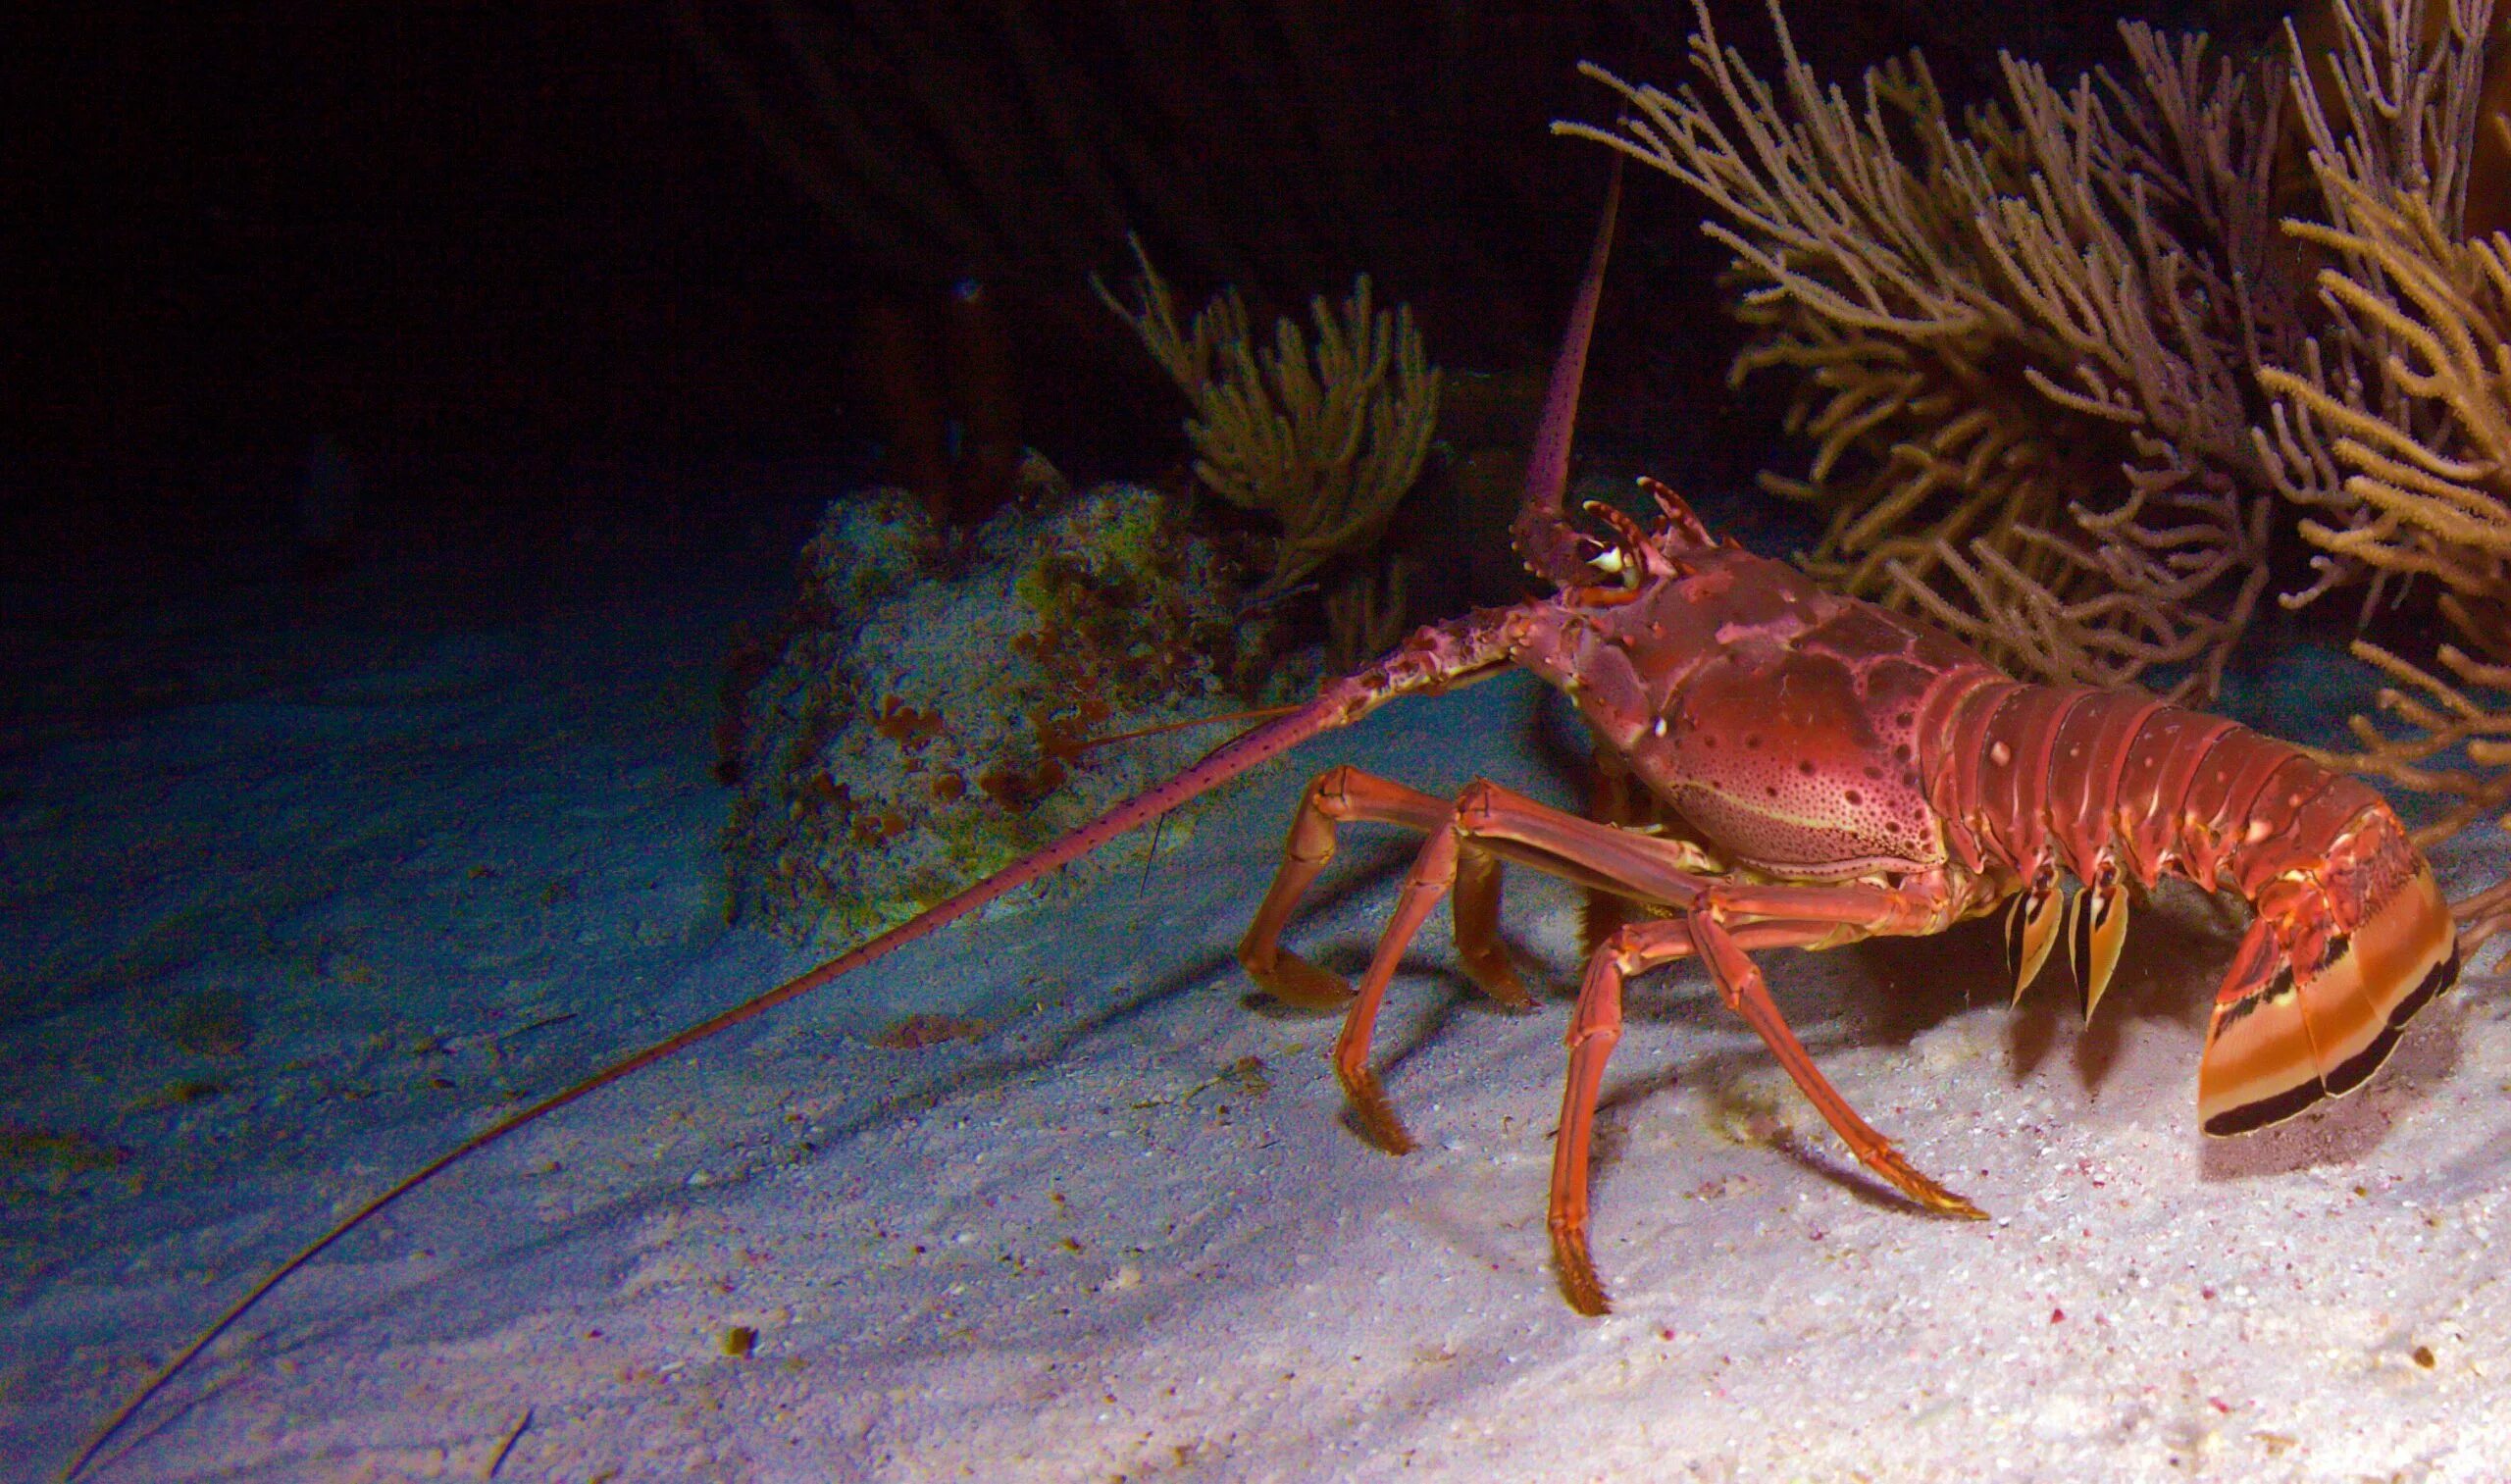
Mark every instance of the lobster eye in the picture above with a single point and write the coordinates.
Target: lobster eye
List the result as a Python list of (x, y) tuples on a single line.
[(1626, 556), (1620, 563)]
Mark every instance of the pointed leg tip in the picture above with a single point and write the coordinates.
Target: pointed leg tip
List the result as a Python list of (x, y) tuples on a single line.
[(1905, 1176), (1500, 983), (1579, 1285), (1378, 1123), (1299, 983), (1939, 1200), (1956, 1205), (1512, 997)]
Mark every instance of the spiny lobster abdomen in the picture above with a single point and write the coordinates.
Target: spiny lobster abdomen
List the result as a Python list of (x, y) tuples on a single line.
[(2352, 936)]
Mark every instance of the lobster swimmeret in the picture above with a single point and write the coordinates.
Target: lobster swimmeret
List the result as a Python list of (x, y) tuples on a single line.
[(1796, 770)]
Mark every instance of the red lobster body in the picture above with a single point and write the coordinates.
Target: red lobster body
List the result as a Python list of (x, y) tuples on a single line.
[(1817, 770), (1820, 770), (1803, 737)]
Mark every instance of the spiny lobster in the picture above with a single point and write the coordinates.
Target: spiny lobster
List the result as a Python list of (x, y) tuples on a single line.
[(1811, 770)]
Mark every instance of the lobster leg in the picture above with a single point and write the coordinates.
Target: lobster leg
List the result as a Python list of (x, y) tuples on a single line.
[(1345, 794), (1718, 920), (1594, 1030), (1486, 824), (1705, 930), (1739, 981), (1475, 911), (1433, 876), (1613, 797), (1651, 868)]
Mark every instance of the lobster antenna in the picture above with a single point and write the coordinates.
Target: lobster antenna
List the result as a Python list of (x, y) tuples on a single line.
[(1542, 533), (1247, 750), (1543, 536), (1260, 713)]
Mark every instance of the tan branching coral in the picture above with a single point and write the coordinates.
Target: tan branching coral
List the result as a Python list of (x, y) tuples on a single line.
[(2060, 385), (2024, 347), (2394, 431), (1366, 617), (1326, 445), (2411, 464)]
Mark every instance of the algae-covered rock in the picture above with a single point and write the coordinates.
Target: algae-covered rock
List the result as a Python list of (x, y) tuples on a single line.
[(925, 724)]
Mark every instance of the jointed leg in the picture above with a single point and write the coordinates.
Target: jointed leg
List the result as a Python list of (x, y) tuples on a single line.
[(1613, 797), (1739, 981), (1433, 876), (1476, 912), (1485, 824), (1594, 1030), (1718, 920), (1347, 794), (1704, 930)]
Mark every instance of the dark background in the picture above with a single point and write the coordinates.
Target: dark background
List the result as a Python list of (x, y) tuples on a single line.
[(526, 262)]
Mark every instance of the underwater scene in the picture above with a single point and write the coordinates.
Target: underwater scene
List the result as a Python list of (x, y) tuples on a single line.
[(815, 739)]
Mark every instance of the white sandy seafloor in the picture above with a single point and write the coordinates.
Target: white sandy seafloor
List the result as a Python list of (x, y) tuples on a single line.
[(1125, 1234)]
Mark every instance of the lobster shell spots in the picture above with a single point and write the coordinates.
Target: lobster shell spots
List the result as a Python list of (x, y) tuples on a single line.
[(1772, 756)]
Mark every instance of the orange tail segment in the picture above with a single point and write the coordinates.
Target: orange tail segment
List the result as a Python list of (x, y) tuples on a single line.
[(2315, 1003)]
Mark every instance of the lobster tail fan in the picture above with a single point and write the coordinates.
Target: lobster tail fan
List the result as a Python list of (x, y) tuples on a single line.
[(1550, 546), (2284, 1036)]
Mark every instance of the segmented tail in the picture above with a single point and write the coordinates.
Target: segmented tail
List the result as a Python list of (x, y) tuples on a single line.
[(2352, 936)]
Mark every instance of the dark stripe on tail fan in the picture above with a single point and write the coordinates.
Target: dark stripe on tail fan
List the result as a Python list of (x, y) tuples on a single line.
[(2364, 1064), (2250, 1116)]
